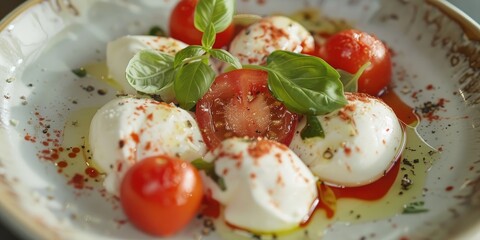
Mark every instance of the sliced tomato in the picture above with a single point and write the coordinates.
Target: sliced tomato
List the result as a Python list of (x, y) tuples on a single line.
[(350, 49), (161, 195), (182, 26), (239, 104)]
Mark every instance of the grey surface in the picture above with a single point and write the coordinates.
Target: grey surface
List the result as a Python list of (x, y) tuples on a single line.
[(471, 7)]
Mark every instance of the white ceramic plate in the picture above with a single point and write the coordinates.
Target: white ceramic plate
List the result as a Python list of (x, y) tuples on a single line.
[(435, 59)]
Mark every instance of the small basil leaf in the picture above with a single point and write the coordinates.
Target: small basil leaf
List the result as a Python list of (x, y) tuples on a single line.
[(218, 12), (208, 37), (312, 129), (149, 71), (350, 81), (209, 169), (192, 82), (225, 56), (305, 84), (188, 52)]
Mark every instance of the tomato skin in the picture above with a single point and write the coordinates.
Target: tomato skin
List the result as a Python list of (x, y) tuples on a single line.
[(160, 195), (350, 49), (182, 26), (239, 104)]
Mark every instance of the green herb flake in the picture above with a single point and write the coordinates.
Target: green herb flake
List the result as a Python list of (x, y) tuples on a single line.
[(80, 72), (209, 169), (414, 207), (157, 31)]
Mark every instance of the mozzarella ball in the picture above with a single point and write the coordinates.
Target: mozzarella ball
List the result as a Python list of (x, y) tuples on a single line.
[(268, 188), (254, 43), (127, 130), (362, 141)]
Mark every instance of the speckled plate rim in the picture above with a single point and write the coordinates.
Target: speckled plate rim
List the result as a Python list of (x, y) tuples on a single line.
[(16, 218), (11, 213)]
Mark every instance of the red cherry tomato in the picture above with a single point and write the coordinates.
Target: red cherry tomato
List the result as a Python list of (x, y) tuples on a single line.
[(182, 26), (239, 104), (350, 49), (160, 195)]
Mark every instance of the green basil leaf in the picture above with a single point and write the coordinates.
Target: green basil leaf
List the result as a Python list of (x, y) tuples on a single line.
[(312, 129), (167, 93), (192, 82), (305, 84), (208, 37), (209, 169), (149, 71), (225, 56), (350, 81), (218, 12), (188, 52)]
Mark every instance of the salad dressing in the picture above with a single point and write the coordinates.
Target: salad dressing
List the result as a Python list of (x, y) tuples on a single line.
[(77, 162), (99, 71)]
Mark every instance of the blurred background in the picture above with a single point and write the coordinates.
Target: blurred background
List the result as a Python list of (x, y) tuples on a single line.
[(471, 7)]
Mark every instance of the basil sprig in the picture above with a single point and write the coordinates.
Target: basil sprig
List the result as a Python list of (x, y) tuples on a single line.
[(188, 75), (305, 84)]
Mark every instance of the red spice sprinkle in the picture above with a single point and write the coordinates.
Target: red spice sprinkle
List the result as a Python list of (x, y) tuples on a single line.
[(76, 150), (54, 156), (77, 181), (135, 137), (30, 138), (347, 150), (150, 116), (121, 143), (121, 221), (62, 164), (45, 143), (119, 167), (148, 146), (430, 87), (72, 155), (91, 172), (449, 188), (259, 148)]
